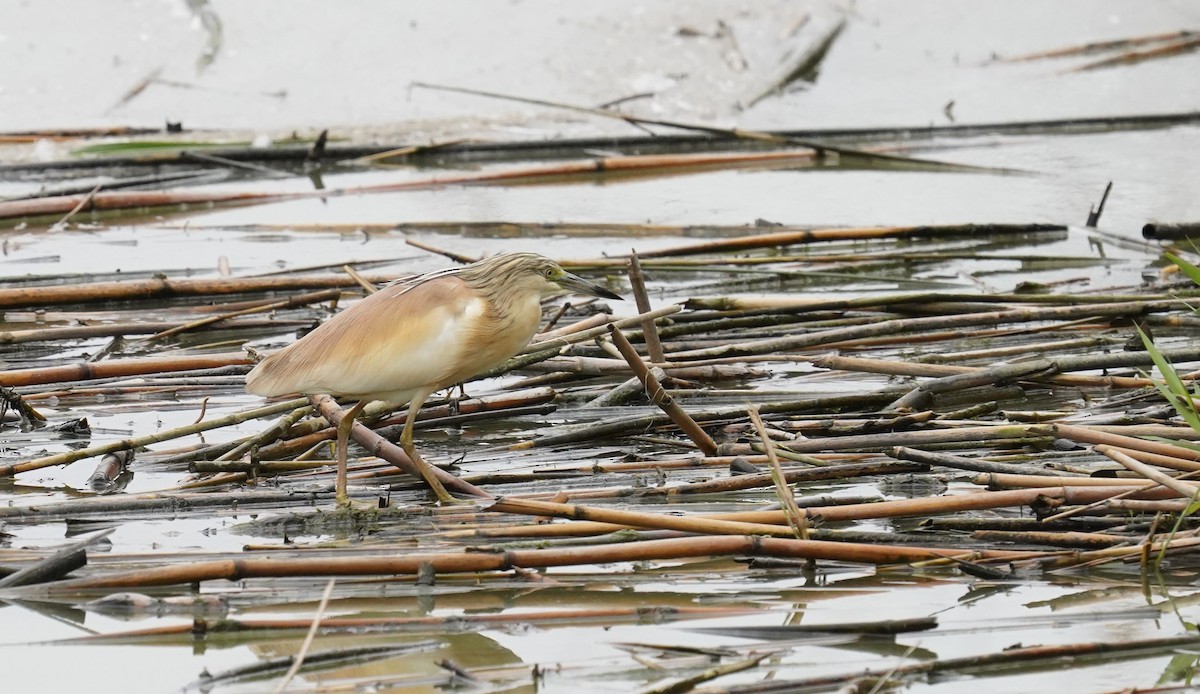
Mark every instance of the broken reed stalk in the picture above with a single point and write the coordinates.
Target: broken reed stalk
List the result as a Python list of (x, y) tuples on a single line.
[(624, 425), (1004, 480), (624, 391), (1119, 501), (1172, 232), (64, 458), (649, 330), (791, 303), (921, 397), (1054, 539), (472, 562), (658, 396), (787, 500)]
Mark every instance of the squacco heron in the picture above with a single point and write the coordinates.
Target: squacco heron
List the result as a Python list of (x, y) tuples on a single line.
[(415, 337)]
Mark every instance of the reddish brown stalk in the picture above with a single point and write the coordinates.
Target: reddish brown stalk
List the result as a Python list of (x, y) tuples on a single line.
[(165, 287), (1170, 50), (119, 367), (1099, 46), (462, 562)]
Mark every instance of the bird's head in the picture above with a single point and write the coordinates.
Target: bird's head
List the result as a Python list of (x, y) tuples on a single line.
[(538, 273)]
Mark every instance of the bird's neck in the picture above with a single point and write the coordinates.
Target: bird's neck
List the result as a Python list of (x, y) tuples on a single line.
[(510, 302)]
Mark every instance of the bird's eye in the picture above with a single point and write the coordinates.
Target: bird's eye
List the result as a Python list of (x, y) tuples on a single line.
[(548, 272)]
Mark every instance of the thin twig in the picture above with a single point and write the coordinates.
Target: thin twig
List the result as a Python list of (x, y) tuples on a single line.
[(298, 659)]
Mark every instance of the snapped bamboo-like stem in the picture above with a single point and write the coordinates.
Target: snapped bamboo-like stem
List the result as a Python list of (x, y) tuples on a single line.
[(649, 329), (658, 396)]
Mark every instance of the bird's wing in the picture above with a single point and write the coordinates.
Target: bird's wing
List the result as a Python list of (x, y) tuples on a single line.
[(404, 338)]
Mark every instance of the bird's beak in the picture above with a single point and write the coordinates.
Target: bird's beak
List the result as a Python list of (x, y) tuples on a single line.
[(578, 284)]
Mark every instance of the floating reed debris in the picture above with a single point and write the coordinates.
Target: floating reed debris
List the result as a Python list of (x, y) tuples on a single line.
[(881, 451)]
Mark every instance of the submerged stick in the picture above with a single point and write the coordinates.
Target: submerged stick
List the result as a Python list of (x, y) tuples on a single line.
[(63, 561), (649, 329), (738, 133), (791, 238)]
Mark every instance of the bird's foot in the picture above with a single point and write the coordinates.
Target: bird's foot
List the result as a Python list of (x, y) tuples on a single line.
[(345, 504), (430, 477)]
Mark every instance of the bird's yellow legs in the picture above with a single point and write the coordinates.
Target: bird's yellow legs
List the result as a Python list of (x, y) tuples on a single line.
[(406, 442), (343, 440)]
